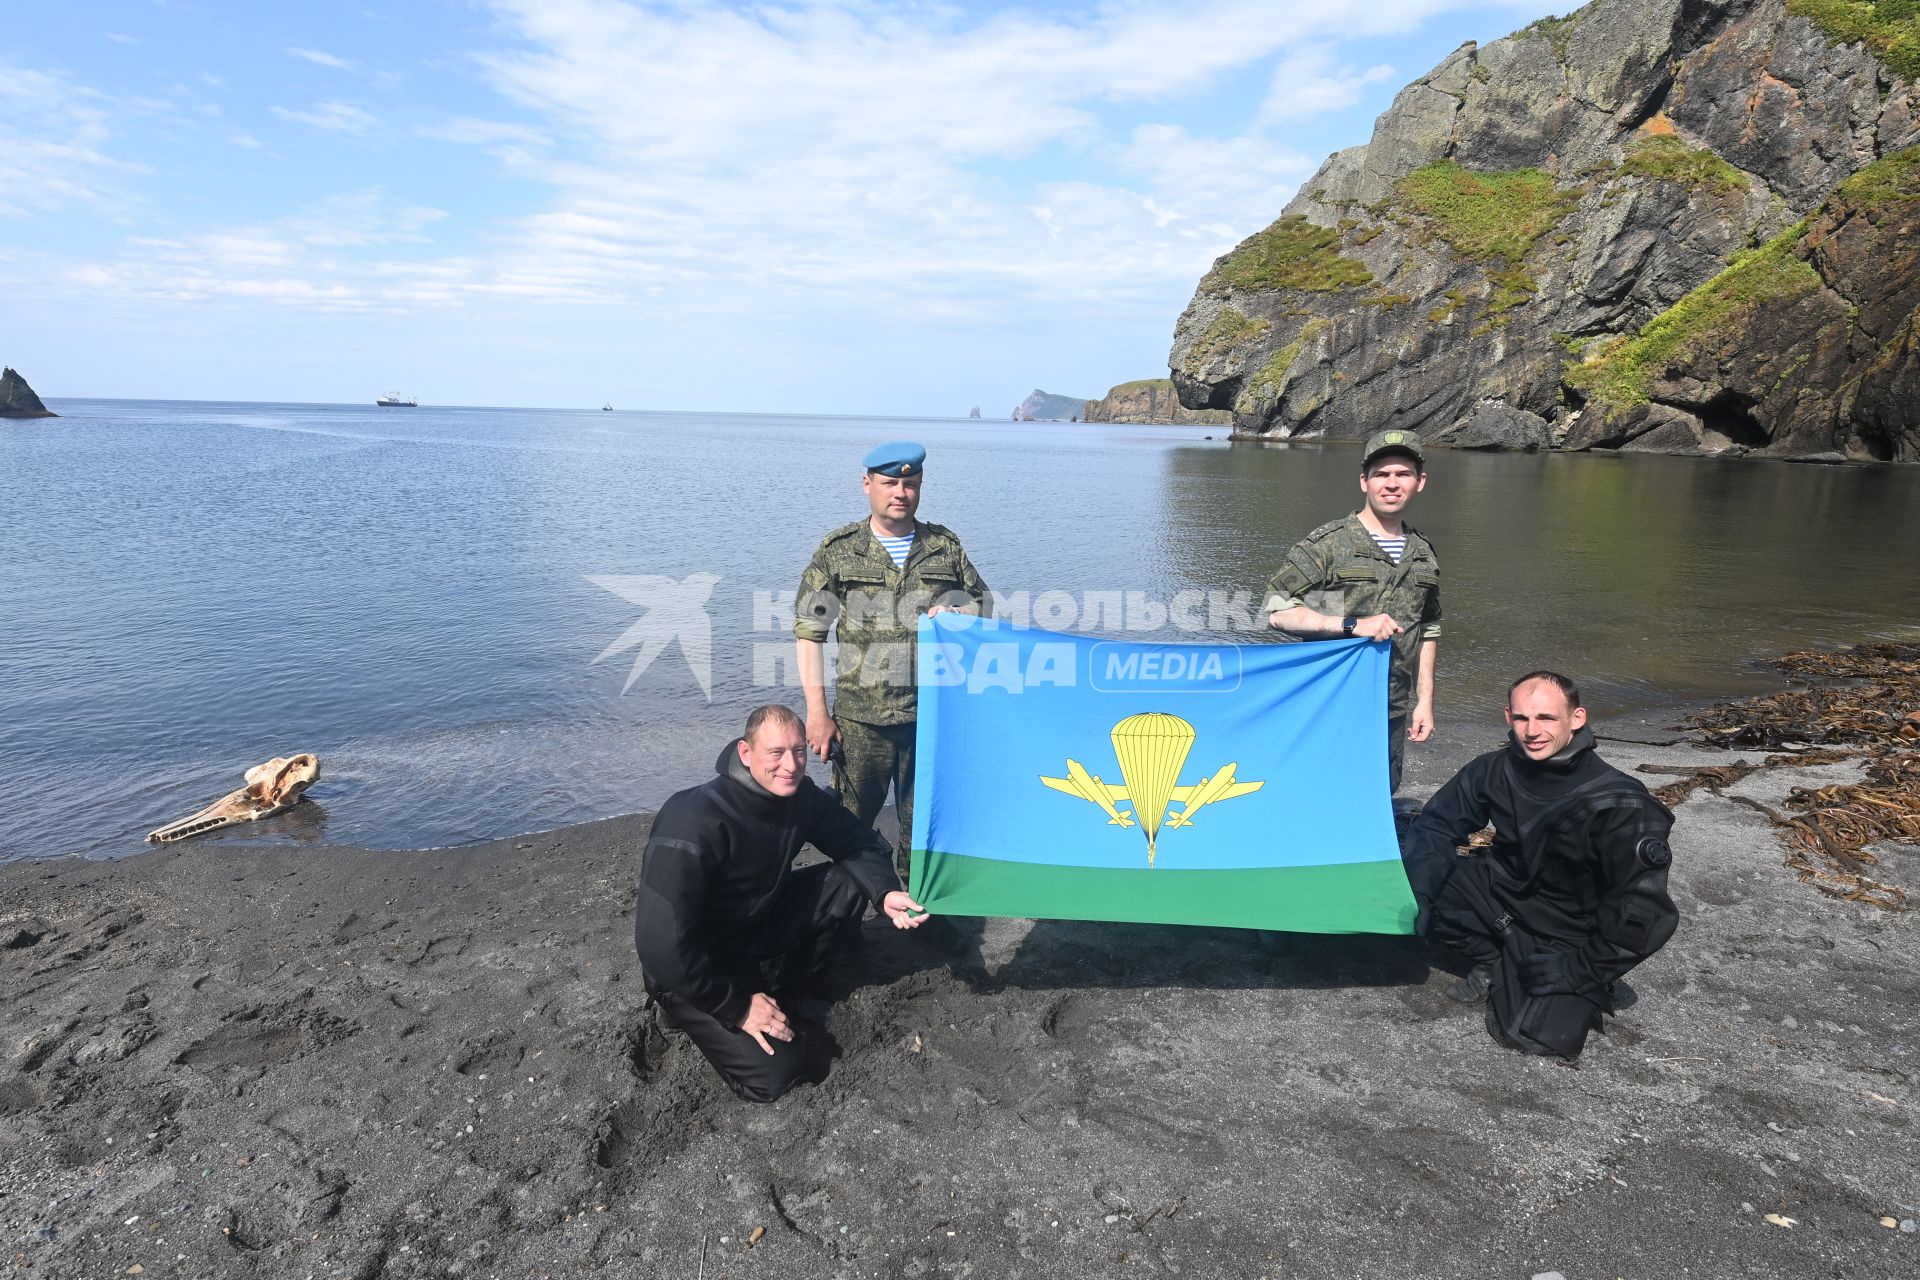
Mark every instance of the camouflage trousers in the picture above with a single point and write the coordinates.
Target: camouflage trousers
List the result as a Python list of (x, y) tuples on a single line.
[(1396, 749), (874, 758)]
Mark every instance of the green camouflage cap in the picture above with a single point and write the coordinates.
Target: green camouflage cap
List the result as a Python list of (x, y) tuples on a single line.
[(1393, 441)]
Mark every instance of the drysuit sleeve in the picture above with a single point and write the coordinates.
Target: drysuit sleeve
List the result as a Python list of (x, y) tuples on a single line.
[(667, 932), (1457, 810), (1635, 915), (860, 850)]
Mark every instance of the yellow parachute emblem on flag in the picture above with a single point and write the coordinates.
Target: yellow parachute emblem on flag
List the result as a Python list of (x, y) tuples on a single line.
[(1151, 749)]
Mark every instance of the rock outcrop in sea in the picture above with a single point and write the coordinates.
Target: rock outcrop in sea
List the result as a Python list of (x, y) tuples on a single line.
[(1150, 400), (1684, 226), (17, 399), (1045, 406)]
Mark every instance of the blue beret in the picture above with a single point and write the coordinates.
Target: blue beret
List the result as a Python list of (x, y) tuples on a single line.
[(897, 458)]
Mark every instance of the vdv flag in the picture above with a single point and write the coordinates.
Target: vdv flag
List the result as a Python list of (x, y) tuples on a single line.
[(1064, 777)]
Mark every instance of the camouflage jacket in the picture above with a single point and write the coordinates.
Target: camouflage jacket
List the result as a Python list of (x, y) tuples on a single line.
[(1339, 570), (853, 585)]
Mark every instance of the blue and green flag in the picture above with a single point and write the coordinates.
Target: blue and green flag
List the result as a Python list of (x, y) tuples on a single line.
[(1064, 777)]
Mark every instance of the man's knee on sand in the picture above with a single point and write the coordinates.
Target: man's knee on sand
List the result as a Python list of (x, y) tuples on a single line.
[(794, 1062), (842, 899)]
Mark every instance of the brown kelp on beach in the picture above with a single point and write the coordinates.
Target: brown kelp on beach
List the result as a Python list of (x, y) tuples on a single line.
[(1862, 701), (1867, 695)]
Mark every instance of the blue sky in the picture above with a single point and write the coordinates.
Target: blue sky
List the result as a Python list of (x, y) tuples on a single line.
[(834, 207)]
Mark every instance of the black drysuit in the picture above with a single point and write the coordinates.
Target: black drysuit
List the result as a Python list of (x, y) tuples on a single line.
[(1574, 887), (721, 905)]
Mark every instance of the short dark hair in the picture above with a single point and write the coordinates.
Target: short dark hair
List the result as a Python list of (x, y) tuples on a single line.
[(780, 716), (1553, 678)]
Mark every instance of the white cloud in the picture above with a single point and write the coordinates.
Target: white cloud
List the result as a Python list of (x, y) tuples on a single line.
[(319, 57), (332, 115), (758, 172), (118, 38), (1308, 82), (485, 133), (53, 138), (846, 149), (308, 258), (1217, 182), (241, 138), (361, 218)]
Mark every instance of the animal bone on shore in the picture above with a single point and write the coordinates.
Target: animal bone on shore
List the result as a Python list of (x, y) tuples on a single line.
[(273, 787)]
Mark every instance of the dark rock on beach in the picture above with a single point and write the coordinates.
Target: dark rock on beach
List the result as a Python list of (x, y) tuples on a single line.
[(17, 399), (1496, 426), (1675, 225), (289, 1061)]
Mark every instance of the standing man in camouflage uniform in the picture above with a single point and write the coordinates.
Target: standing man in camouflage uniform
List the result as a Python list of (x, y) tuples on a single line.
[(1373, 575), (873, 579)]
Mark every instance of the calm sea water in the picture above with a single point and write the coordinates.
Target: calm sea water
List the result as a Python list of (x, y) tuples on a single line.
[(188, 589)]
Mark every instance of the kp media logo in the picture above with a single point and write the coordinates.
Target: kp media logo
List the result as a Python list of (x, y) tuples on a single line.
[(674, 610)]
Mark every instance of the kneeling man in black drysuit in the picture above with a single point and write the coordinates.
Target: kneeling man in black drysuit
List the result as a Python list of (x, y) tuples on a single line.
[(1573, 892), (730, 935)]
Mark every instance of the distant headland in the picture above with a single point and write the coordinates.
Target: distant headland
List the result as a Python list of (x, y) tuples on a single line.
[(1151, 400), (1045, 406)]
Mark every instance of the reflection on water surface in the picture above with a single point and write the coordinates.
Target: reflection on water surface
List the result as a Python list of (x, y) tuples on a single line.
[(193, 588)]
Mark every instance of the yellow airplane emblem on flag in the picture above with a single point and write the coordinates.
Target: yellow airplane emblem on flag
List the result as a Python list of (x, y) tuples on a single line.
[(1151, 749)]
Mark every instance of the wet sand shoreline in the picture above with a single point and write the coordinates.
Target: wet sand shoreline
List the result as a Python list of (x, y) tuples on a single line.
[(269, 1061)]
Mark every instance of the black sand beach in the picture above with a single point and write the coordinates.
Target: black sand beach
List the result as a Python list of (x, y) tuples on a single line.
[(340, 1063)]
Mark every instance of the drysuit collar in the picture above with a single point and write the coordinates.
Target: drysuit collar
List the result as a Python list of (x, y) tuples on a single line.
[(756, 797), (1564, 760)]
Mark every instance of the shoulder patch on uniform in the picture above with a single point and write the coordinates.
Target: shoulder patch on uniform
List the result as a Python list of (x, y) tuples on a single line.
[(844, 531)]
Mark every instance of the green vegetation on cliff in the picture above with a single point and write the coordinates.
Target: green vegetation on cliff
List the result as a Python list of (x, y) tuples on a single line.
[(1888, 183), (1492, 218), (1291, 254), (1141, 384), (1890, 29), (1771, 275), (1485, 215), (1555, 31), (1668, 159), (1231, 328), (1271, 380)]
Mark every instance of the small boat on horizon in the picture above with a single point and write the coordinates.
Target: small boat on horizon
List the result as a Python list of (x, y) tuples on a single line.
[(394, 400), (607, 407)]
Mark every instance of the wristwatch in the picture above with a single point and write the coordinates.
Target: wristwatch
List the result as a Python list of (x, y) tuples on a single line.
[(1347, 625)]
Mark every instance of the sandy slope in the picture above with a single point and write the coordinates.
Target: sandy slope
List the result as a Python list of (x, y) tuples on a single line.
[(330, 1062)]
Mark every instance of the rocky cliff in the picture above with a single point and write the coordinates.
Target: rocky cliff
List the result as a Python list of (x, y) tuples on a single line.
[(17, 399), (1151, 400), (1675, 225)]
